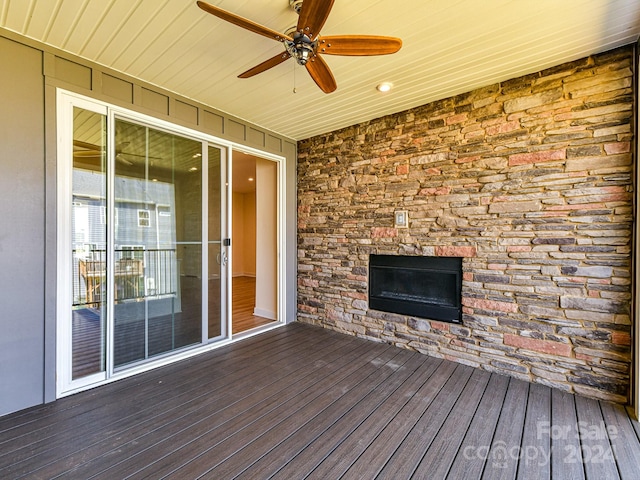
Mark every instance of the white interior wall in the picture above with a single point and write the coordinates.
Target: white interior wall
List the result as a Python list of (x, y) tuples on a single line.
[(244, 234), (266, 239)]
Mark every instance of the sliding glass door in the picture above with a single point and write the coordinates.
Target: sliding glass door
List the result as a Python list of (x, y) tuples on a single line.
[(87, 250), (142, 262), (217, 261), (157, 256)]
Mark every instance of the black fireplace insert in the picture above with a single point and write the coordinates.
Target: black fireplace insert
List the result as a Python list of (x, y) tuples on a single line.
[(425, 287)]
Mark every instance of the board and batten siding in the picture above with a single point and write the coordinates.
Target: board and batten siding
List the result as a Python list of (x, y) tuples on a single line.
[(31, 74), (22, 220)]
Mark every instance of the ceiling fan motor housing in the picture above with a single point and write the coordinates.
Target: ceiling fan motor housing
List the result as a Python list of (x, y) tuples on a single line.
[(302, 48)]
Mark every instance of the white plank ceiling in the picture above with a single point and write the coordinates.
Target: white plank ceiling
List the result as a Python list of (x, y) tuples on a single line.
[(449, 47)]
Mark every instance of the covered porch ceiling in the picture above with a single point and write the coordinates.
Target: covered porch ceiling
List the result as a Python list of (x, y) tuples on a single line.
[(449, 47)]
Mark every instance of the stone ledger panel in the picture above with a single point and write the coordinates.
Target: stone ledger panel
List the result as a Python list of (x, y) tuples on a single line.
[(530, 182)]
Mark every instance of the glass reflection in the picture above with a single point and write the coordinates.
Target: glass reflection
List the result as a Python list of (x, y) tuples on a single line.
[(157, 242)]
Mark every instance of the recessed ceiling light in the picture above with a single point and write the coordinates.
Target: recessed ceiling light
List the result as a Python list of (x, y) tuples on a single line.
[(251, 179), (384, 86)]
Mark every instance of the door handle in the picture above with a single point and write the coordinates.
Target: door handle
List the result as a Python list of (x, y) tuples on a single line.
[(225, 259)]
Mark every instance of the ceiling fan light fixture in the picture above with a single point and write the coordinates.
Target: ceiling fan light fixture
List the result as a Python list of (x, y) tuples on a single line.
[(384, 87), (302, 48), (303, 55)]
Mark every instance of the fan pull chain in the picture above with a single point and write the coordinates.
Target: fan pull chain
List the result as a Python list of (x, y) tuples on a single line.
[(294, 78)]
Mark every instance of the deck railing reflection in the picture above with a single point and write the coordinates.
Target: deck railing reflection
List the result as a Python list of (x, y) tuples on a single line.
[(138, 274)]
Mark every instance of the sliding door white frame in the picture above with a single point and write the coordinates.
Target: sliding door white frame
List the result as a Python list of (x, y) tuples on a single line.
[(64, 377), (65, 385)]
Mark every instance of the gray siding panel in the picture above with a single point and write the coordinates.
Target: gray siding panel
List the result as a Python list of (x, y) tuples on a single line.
[(21, 227), (28, 265)]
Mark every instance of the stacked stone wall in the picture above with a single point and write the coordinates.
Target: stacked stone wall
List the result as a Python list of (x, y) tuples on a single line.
[(529, 180)]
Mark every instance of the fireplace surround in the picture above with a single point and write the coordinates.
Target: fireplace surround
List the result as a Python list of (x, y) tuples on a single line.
[(424, 287)]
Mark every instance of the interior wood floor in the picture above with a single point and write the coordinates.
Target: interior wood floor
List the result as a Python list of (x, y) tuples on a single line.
[(243, 296), (303, 402)]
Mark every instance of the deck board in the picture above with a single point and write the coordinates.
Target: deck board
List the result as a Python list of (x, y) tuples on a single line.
[(408, 454), (88, 422), (384, 447), (471, 456), (304, 402), (535, 457), (500, 465), (121, 414), (349, 435), (595, 446), (441, 453), (279, 422), (350, 413), (313, 417), (623, 439), (230, 427), (30, 419), (186, 437), (564, 437)]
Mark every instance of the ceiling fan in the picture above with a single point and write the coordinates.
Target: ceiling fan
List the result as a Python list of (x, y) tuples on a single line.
[(306, 45)]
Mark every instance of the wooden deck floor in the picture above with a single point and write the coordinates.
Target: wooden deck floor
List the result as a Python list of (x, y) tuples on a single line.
[(303, 402)]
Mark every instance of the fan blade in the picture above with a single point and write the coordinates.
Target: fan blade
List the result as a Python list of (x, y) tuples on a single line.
[(86, 146), (86, 154), (266, 65), (358, 45), (312, 16), (319, 71), (137, 155), (243, 22)]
